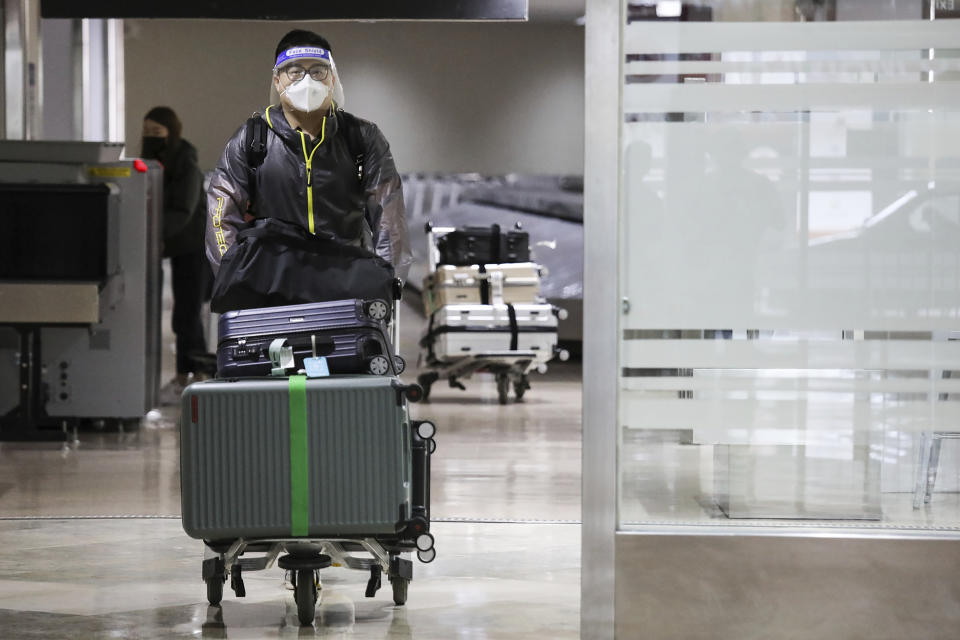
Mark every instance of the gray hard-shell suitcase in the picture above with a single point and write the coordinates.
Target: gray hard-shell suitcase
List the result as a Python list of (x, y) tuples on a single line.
[(246, 472)]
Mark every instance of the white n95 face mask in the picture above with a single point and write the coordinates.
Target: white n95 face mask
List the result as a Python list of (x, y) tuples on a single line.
[(307, 94)]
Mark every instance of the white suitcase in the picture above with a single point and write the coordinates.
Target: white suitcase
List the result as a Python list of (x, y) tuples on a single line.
[(460, 330), (451, 285), (520, 282)]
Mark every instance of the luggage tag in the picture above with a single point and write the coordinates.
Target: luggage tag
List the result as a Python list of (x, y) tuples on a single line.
[(316, 367)]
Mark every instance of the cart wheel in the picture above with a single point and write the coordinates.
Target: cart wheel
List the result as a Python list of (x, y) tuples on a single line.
[(399, 590), (520, 387), (378, 310), (215, 589), (305, 592), (503, 387), (378, 365), (426, 380), (399, 364)]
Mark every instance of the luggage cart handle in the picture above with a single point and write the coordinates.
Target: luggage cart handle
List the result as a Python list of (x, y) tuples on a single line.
[(433, 253), (395, 328), (395, 315)]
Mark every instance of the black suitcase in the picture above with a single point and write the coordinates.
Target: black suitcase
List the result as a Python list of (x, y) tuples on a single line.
[(350, 334), (483, 245)]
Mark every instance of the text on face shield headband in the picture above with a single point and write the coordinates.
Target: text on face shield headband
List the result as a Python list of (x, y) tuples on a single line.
[(303, 52)]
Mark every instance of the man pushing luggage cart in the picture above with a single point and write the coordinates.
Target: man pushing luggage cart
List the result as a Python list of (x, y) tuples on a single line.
[(304, 445)]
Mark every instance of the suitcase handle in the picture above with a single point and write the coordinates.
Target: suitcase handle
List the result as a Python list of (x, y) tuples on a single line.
[(325, 344)]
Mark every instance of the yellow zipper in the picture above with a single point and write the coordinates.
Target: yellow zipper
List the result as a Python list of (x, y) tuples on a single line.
[(309, 161)]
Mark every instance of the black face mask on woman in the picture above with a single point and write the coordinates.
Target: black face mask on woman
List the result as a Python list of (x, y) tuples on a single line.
[(152, 147)]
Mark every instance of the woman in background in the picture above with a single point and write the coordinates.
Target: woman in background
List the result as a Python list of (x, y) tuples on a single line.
[(184, 217)]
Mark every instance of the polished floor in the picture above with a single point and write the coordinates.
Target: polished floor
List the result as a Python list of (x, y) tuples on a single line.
[(91, 544), (140, 578)]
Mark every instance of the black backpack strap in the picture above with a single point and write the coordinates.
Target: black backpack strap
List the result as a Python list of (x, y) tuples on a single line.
[(255, 146), (354, 137)]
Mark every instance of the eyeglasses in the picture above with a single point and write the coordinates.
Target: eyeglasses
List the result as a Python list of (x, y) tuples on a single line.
[(295, 72)]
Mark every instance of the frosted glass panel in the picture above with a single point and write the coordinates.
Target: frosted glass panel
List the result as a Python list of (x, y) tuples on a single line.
[(766, 225), (699, 37), (790, 218)]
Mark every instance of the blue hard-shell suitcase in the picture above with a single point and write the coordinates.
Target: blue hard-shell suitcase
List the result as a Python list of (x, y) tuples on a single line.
[(350, 334)]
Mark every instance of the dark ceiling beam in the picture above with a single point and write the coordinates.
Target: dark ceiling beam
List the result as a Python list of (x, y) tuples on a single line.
[(290, 9)]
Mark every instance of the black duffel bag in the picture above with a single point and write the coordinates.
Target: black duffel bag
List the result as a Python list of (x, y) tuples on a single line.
[(276, 263)]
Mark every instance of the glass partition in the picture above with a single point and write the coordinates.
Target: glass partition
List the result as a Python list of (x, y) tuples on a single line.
[(790, 267)]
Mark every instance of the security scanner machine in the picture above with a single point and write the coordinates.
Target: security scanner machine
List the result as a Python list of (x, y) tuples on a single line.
[(79, 286)]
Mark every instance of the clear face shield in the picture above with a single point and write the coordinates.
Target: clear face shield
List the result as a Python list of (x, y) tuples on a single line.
[(308, 78)]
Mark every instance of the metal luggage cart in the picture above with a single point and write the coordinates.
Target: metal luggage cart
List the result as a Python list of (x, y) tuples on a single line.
[(510, 367), (304, 559), (305, 556)]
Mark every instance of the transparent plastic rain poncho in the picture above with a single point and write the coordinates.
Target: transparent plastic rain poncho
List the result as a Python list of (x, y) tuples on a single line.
[(369, 212)]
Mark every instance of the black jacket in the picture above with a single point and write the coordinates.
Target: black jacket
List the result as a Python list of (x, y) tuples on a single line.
[(183, 203), (330, 199)]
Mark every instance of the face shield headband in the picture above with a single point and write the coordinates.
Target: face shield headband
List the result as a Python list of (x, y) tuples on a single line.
[(314, 53), (317, 53)]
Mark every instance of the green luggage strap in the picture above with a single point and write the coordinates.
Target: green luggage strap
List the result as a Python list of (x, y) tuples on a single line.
[(299, 458)]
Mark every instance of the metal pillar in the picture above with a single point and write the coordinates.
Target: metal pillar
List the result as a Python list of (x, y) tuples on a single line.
[(102, 82), (600, 329), (22, 54)]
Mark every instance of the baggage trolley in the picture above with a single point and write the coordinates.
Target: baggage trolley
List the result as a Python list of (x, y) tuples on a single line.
[(509, 367), (378, 553)]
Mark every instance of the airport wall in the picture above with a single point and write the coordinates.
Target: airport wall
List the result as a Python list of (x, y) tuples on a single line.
[(486, 97)]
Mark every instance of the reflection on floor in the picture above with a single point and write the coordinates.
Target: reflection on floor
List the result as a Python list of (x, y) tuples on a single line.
[(141, 579), (499, 573), (668, 478)]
